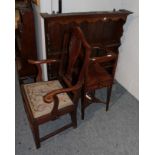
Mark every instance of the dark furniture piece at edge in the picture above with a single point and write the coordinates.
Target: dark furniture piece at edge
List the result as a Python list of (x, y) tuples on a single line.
[(25, 43)]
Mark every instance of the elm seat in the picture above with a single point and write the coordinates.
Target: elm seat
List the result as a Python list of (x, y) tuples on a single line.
[(35, 93)]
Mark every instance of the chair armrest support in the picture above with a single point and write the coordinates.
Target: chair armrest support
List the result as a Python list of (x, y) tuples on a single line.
[(48, 98), (52, 96)]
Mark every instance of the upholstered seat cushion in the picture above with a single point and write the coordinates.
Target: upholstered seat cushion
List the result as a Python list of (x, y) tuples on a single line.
[(35, 92)]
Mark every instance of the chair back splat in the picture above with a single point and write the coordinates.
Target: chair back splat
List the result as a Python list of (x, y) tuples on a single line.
[(79, 52)]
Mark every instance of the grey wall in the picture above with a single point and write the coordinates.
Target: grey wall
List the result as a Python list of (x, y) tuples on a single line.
[(127, 72), (89, 5)]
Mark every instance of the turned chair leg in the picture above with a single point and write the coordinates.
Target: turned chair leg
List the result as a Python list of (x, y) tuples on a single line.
[(35, 129), (74, 118), (109, 90)]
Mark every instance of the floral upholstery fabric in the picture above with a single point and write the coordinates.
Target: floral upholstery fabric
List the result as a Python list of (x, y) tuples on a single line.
[(35, 93)]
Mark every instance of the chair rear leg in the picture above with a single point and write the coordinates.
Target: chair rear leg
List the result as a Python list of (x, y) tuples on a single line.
[(82, 112), (74, 118), (83, 103), (109, 90)]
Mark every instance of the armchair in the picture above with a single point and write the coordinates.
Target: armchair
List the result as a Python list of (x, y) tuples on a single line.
[(48, 100), (100, 74)]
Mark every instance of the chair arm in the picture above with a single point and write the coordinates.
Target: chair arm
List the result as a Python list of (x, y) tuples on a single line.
[(48, 98), (106, 58), (38, 64), (47, 61)]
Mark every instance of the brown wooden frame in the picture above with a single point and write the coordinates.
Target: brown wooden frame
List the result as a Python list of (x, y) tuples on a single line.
[(76, 50)]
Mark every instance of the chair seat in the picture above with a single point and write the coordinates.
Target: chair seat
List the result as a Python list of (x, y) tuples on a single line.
[(35, 92), (98, 77)]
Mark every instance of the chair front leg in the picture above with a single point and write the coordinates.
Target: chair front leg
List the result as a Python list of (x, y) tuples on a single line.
[(35, 130), (74, 118)]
